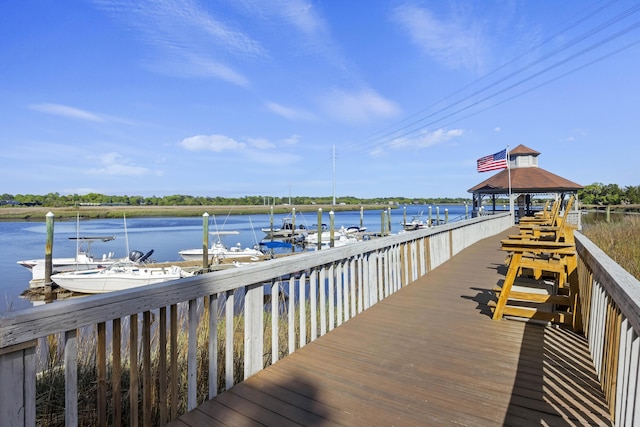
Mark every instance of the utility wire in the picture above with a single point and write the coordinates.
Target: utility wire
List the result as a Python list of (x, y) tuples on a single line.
[(576, 69), (570, 58), (385, 132), (411, 128)]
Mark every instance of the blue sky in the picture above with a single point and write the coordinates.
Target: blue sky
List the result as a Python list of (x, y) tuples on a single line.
[(249, 97)]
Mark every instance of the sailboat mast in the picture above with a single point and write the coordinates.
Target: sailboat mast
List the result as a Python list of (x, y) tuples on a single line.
[(334, 174)]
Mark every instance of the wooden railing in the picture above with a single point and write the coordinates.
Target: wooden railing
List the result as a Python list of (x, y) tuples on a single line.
[(152, 353), (610, 299)]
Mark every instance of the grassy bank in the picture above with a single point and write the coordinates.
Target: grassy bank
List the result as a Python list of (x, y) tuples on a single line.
[(38, 213), (620, 240)]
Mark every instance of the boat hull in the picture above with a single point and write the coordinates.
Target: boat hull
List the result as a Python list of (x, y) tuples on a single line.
[(109, 280), (196, 254), (60, 265)]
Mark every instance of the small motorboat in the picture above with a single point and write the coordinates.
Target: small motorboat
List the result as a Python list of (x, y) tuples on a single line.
[(117, 277)]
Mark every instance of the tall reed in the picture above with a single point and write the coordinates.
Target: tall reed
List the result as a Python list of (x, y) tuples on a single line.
[(620, 240), (50, 383)]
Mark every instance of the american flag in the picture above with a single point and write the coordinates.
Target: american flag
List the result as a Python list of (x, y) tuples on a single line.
[(493, 161)]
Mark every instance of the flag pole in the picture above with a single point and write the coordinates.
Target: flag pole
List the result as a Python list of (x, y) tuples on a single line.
[(511, 208)]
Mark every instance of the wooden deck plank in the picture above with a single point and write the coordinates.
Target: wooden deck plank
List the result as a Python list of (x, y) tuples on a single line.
[(428, 355)]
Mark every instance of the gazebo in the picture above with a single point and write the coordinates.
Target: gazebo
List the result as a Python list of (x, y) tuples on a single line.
[(527, 180)]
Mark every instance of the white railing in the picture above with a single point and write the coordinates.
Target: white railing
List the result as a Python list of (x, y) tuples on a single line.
[(610, 299), (168, 347)]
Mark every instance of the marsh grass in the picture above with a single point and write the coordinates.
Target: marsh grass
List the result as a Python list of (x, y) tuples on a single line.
[(620, 240), (50, 383)]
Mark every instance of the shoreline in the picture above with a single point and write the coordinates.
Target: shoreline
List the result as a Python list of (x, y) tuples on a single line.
[(38, 213)]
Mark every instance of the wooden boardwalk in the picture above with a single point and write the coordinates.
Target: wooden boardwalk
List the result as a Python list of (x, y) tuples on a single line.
[(428, 355)]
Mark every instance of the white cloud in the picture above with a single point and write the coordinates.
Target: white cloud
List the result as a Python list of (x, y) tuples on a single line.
[(273, 158), (456, 43), (116, 164), (378, 152), (497, 129), (261, 144), (186, 36), (292, 140), (215, 143), (427, 139), (359, 107), (302, 15), (287, 112), (196, 65), (66, 111)]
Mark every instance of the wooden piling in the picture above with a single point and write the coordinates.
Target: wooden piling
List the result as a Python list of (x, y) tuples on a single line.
[(271, 222), (319, 244), (331, 229), (293, 229), (48, 252), (205, 241), (404, 216)]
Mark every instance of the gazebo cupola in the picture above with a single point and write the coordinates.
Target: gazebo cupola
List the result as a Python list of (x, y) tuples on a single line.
[(523, 157)]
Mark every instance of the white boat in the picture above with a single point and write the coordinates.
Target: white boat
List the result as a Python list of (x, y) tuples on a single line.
[(117, 277), (342, 236), (84, 259), (286, 230), (416, 223), (218, 251)]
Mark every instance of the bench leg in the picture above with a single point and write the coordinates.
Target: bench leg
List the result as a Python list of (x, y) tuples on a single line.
[(514, 266)]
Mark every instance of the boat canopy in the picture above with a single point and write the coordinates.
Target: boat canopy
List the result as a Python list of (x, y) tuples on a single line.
[(93, 238)]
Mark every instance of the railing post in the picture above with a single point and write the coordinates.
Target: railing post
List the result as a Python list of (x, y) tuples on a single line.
[(253, 329), (18, 384), (71, 377)]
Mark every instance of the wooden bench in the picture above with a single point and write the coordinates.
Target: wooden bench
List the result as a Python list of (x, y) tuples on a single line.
[(559, 230), (546, 217), (556, 258)]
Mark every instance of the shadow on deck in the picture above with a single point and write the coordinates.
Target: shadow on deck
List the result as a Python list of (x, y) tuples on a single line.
[(428, 355)]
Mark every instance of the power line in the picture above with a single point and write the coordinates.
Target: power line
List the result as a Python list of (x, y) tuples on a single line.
[(590, 48), (387, 136), (385, 132)]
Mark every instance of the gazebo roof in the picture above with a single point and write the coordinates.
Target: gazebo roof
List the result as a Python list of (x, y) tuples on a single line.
[(525, 180), (523, 149)]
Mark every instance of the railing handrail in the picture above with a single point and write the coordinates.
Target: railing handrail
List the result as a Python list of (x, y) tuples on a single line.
[(36, 322), (611, 317), (621, 286)]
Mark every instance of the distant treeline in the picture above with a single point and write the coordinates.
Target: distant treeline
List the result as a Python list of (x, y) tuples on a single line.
[(95, 199), (609, 194), (593, 194)]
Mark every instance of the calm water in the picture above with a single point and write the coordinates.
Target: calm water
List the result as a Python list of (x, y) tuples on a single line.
[(166, 236)]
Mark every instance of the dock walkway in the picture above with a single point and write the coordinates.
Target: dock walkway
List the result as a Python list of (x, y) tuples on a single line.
[(427, 355)]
